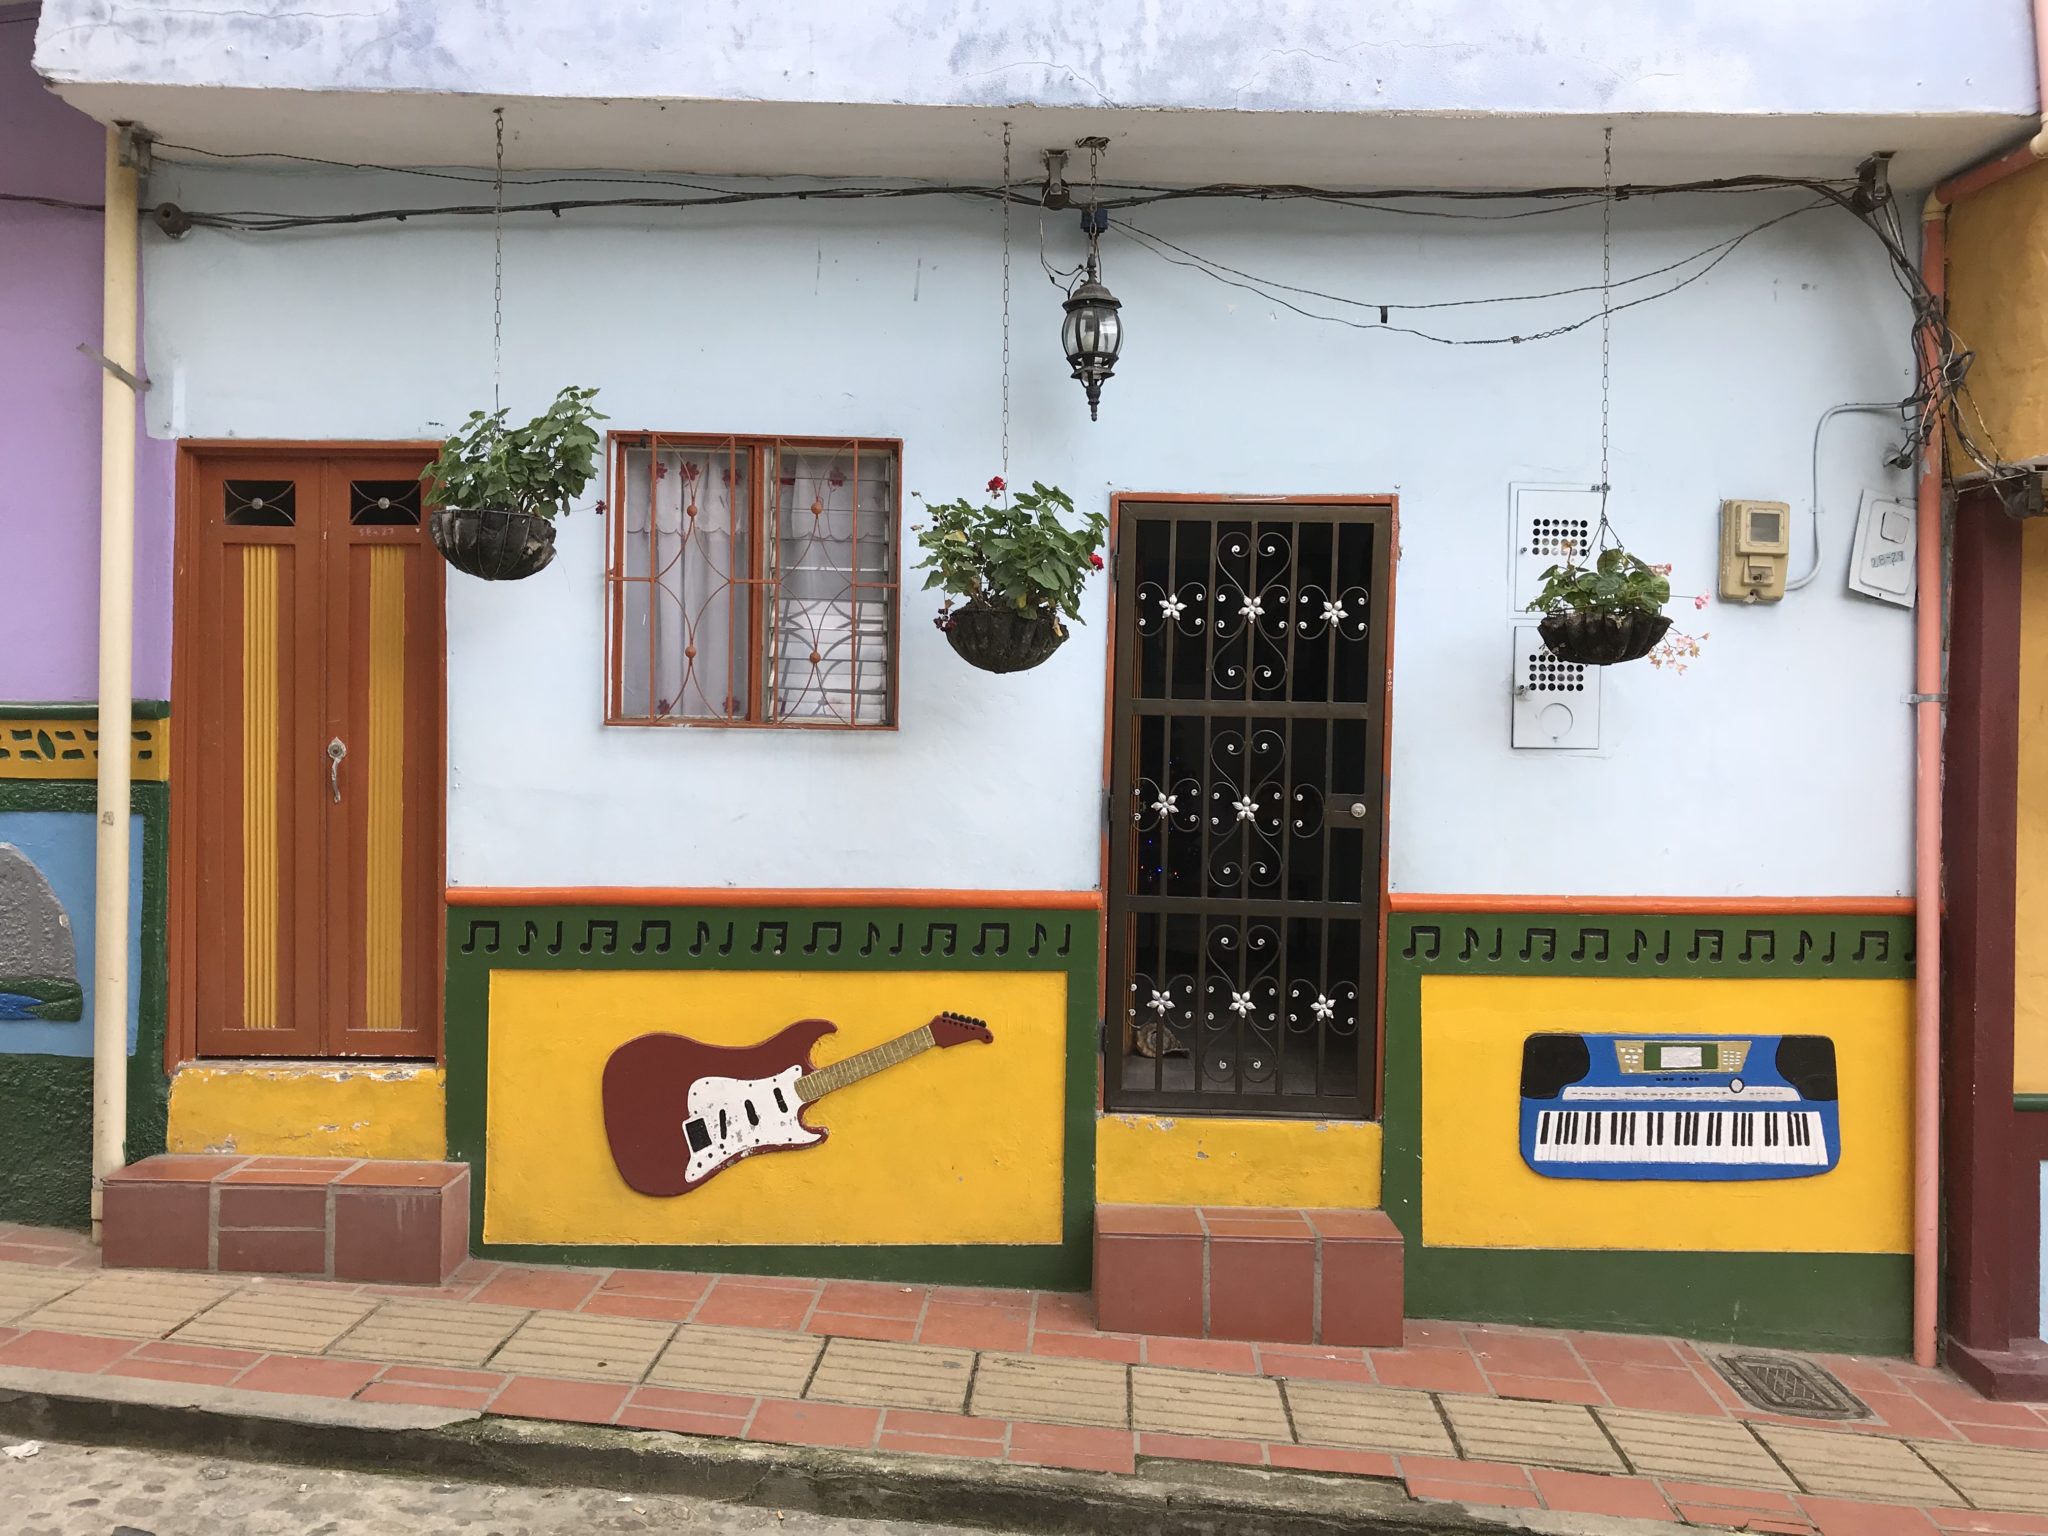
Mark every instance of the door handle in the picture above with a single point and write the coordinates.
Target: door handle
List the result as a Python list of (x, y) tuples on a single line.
[(337, 749)]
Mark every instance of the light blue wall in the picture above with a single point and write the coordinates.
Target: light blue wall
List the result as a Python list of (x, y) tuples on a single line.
[(1779, 764)]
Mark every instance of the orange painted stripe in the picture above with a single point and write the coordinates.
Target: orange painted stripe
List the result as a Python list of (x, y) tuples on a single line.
[(720, 896), (1755, 906)]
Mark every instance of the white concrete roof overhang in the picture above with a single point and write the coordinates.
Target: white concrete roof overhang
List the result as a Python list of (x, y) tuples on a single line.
[(1349, 150)]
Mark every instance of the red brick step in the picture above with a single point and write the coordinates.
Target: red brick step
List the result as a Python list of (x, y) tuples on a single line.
[(1275, 1276), (323, 1218)]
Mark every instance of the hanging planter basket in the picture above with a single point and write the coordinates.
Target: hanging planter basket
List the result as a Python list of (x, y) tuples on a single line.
[(494, 545), (1596, 639), (1000, 640)]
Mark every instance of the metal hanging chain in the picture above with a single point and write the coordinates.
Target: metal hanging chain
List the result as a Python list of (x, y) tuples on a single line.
[(1006, 304), (1092, 220), (498, 269), (1606, 530)]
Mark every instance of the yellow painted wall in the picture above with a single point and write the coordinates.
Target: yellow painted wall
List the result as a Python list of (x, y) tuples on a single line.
[(1194, 1160), (310, 1111), (2030, 888), (957, 1146), (1478, 1193), (1998, 305)]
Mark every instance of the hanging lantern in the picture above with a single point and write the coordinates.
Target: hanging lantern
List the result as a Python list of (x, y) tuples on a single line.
[(1093, 332)]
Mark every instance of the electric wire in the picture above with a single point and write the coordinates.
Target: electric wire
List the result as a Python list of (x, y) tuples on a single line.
[(52, 202), (1941, 391), (1723, 252), (1858, 407)]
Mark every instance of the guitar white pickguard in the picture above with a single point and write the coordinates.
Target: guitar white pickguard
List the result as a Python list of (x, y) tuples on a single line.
[(732, 1116)]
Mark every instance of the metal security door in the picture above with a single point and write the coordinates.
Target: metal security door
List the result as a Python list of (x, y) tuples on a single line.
[(310, 606), (1246, 825)]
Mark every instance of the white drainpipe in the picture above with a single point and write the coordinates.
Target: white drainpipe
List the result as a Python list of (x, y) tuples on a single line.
[(117, 705)]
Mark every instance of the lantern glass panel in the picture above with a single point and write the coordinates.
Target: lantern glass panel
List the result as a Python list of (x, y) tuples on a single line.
[(1092, 331)]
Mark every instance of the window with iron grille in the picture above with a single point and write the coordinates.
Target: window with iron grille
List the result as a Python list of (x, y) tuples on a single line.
[(753, 580)]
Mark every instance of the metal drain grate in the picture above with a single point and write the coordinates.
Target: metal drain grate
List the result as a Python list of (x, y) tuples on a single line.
[(1790, 1385)]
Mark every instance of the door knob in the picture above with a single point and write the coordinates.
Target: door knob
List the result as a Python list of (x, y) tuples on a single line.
[(337, 749), (1358, 810)]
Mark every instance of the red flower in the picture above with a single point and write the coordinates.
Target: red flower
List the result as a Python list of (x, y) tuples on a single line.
[(995, 483), (1096, 561)]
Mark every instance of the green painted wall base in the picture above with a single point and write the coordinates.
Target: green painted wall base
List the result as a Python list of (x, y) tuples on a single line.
[(1855, 1303), (46, 1136), (1037, 1268)]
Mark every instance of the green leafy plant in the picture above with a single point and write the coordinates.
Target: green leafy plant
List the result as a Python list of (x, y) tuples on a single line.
[(1616, 582), (1018, 554), (539, 468)]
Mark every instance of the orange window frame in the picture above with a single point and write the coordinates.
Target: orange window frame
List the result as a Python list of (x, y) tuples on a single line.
[(760, 578)]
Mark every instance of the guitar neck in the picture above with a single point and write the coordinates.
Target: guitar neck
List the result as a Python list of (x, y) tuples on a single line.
[(815, 1085)]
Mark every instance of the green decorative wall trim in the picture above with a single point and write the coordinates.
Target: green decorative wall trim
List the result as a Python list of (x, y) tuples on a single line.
[(1840, 1301), (2030, 1103), (145, 709), (46, 1101), (819, 939), (1856, 1303)]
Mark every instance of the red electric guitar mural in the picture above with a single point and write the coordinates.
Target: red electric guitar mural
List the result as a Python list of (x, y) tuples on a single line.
[(677, 1111)]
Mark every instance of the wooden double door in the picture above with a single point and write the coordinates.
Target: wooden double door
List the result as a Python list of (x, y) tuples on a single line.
[(311, 688)]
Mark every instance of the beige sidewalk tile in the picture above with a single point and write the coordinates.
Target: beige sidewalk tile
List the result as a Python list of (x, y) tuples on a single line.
[(1694, 1448), (1992, 1476), (1050, 1389), (1845, 1465), (286, 1319), (1362, 1418), (742, 1362), (25, 1287), (592, 1348), (1207, 1403), (132, 1304), (882, 1375), (430, 1333), (1541, 1434)]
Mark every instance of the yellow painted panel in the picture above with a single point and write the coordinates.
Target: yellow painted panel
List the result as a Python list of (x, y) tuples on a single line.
[(964, 1145), (1998, 305), (299, 1111), (2030, 887), (67, 747), (260, 708), (384, 881), (1478, 1193), (1191, 1160)]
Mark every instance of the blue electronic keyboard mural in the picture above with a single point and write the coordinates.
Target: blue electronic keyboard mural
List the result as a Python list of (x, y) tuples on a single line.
[(1693, 1107)]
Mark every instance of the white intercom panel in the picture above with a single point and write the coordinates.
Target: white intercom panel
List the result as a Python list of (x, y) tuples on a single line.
[(1556, 703)]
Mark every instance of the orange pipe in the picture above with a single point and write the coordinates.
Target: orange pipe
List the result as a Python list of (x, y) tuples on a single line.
[(721, 896), (1648, 906), (1927, 706), (1927, 658), (1977, 177)]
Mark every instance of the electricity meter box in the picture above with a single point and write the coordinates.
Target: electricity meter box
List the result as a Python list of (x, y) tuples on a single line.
[(1756, 540)]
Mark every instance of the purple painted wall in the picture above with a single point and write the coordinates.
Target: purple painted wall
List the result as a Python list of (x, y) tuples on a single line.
[(50, 409)]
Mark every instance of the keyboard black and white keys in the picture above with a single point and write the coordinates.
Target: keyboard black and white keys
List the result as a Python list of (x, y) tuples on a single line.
[(1669, 1107)]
